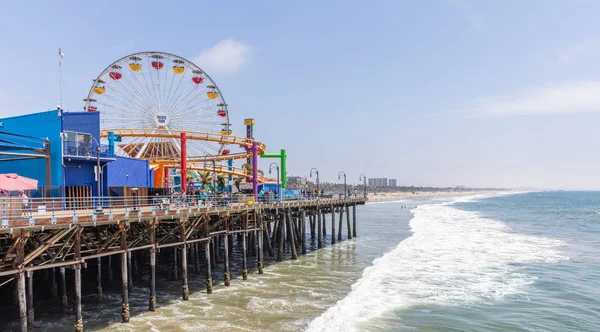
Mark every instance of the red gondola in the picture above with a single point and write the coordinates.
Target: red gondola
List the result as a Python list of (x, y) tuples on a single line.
[(90, 108), (115, 75), (197, 79), (225, 152), (222, 113), (157, 64)]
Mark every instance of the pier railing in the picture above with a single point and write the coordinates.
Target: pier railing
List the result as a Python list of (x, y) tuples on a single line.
[(19, 212)]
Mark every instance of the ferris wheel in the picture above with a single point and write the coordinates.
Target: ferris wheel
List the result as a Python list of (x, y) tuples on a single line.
[(159, 93)]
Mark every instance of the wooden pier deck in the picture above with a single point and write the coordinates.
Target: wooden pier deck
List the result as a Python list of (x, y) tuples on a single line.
[(70, 240)]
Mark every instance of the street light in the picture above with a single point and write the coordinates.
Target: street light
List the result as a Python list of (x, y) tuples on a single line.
[(311, 173), (339, 177), (364, 178), (98, 172), (278, 189)]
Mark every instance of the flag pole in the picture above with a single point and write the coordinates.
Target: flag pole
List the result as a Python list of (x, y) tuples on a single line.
[(60, 56)]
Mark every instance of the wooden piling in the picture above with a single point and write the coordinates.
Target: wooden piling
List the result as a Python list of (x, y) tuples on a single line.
[(319, 231), (53, 286), (226, 259), (110, 271), (340, 224), (260, 244), (196, 250), (303, 232), (63, 288), (208, 272), (296, 229), (348, 222), (324, 218), (354, 220), (78, 312), (152, 279), (175, 264), (291, 231), (30, 309), (185, 292), (99, 280), (332, 225), (244, 259), (267, 239), (253, 243), (281, 239), (217, 249), (213, 249), (274, 241), (124, 284), (22, 300), (311, 219)]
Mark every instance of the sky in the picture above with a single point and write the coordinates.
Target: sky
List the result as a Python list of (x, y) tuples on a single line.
[(432, 93)]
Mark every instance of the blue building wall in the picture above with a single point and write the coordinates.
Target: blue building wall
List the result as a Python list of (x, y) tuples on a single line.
[(128, 172), (42, 125), (80, 173), (83, 122)]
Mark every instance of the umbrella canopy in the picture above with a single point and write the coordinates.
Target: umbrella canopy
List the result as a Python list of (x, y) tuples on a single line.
[(13, 181)]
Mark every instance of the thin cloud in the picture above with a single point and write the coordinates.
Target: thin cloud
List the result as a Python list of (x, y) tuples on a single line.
[(473, 17), (579, 51), (226, 56), (562, 98)]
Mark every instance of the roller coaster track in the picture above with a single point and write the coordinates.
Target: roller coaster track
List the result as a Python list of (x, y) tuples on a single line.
[(194, 162), (222, 169)]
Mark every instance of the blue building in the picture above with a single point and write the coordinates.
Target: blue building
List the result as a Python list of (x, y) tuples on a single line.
[(75, 150)]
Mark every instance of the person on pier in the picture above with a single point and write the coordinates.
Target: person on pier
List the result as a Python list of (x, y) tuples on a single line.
[(24, 203)]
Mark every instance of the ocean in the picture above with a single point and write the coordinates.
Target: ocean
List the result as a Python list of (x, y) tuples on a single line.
[(489, 262)]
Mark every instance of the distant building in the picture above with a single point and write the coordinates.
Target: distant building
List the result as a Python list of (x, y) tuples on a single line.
[(392, 183), (378, 182), (296, 181)]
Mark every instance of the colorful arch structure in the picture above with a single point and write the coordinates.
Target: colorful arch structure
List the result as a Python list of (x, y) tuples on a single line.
[(186, 162)]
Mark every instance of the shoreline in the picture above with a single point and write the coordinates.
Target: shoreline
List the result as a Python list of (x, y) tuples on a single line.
[(382, 197)]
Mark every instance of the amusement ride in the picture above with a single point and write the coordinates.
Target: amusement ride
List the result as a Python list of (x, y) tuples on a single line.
[(165, 109)]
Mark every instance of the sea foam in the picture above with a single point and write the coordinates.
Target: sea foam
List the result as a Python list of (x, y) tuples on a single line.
[(453, 257)]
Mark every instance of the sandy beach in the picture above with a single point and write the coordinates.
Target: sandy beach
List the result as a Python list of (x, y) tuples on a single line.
[(406, 195)]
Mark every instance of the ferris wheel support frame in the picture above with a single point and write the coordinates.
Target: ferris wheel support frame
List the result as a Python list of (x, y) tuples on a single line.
[(183, 162)]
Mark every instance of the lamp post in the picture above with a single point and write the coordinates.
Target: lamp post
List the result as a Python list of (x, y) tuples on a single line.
[(98, 172), (364, 178), (311, 173), (339, 177), (278, 188)]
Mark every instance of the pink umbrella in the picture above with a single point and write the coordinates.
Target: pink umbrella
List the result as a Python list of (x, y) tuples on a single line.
[(12, 181)]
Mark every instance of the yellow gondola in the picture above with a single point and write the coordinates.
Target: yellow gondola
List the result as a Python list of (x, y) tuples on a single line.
[(178, 69), (99, 89), (212, 94), (224, 132), (135, 66)]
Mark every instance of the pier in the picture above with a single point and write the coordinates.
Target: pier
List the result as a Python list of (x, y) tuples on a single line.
[(134, 230)]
